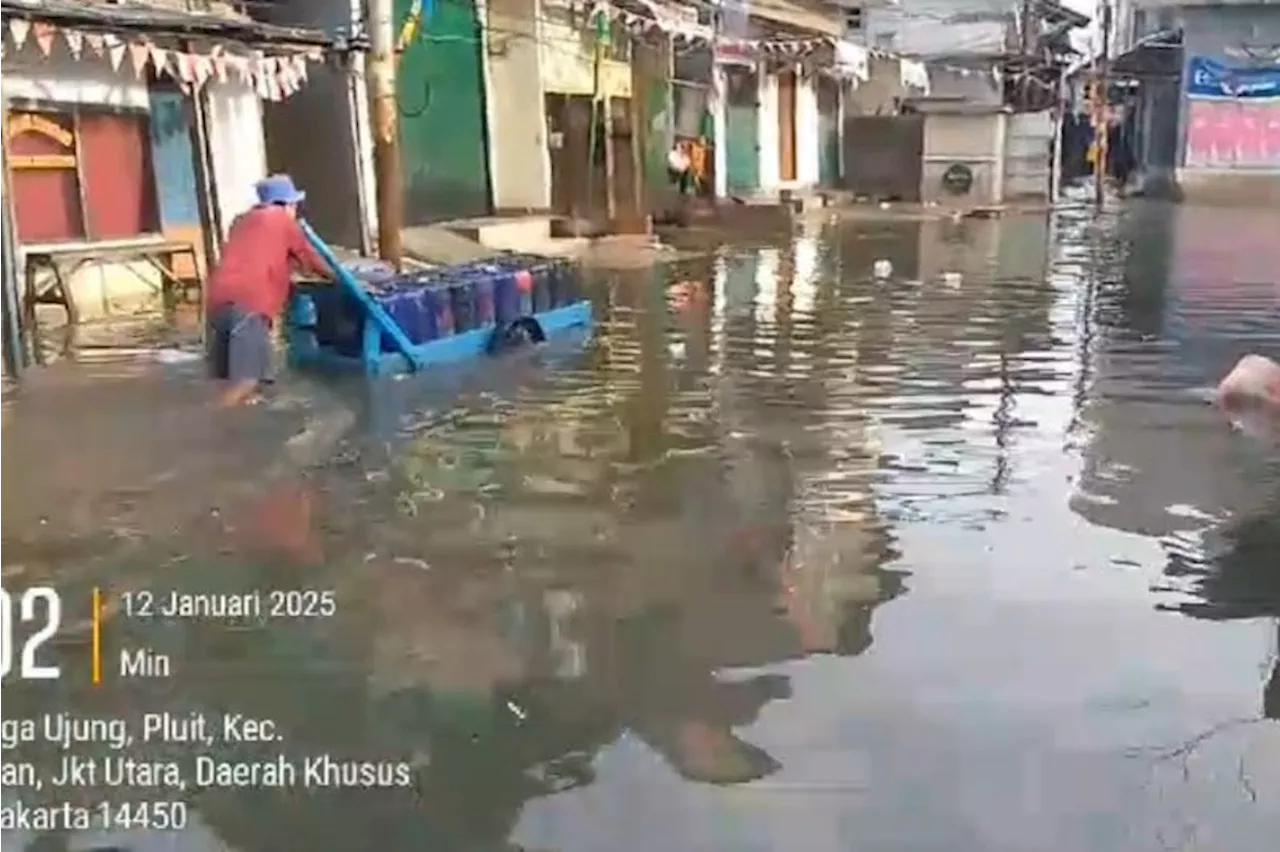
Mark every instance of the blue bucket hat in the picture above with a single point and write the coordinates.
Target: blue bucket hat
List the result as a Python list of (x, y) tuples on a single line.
[(278, 189)]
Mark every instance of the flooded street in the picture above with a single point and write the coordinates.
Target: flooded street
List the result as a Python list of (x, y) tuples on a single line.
[(785, 558)]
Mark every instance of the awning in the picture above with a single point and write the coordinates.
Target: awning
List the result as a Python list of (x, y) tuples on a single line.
[(134, 16), (1155, 56)]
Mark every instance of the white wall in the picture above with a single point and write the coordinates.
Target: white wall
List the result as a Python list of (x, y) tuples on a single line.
[(807, 170), (768, 132), (519, 162), (239, 152), (806, 141), (88, 80)]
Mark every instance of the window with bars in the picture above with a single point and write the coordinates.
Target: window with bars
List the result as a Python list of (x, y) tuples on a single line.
[(80, 173)]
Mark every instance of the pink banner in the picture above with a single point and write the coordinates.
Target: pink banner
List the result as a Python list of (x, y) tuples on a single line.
[(1233, 133)]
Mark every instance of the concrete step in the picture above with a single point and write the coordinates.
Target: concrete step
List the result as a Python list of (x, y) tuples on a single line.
[(516, 233), (437, 244)]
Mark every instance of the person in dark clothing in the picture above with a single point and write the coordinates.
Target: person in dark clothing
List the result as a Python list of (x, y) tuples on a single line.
[(250, 285), (1119, 155)]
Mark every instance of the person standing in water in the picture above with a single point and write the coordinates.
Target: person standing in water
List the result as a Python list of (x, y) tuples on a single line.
[(249, 286)]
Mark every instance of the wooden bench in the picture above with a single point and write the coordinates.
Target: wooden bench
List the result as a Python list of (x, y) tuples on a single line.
[(62, 261)]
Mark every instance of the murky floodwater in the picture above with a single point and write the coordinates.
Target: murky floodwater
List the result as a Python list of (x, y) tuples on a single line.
[(784, 558)]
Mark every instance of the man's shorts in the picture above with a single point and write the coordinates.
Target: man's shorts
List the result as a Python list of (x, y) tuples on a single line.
[(239, 345)]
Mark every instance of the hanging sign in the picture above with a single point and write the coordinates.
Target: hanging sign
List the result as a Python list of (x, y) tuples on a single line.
[(1208, 78)]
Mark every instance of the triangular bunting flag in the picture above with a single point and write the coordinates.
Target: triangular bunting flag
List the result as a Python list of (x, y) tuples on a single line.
[(202, 67), (115, 50), (44, 36), (75, 42), (94, 40), (185, 69), (19, 28), (138, 52), (288, 82), (219, 61), (263, 75), (160, 59)]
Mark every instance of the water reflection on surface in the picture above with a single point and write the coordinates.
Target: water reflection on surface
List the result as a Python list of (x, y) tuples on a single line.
[(785, 558)]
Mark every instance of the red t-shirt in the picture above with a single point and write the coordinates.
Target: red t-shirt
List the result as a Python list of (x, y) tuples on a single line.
[(264, 243)]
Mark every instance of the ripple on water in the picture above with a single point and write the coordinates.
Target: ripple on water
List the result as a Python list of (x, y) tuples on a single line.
[(793, 531)]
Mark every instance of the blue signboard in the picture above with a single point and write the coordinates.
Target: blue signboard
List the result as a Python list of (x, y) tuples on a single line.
[(1208, 78)]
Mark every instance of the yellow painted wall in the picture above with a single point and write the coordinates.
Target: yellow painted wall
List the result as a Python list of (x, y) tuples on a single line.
[(567, 64)]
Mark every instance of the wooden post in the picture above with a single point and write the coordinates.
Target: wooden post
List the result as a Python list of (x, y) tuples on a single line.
[(1101, 110), (386, 133), (353, 71), (15, 351), (610, 166), (1060, 116), (1024, 49), (206, 194), (639, 136)]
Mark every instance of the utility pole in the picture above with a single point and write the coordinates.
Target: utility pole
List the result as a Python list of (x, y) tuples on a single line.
[(1024, 50), (1101, 110), (386, 137)]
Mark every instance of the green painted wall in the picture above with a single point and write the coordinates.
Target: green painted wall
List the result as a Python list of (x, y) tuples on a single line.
[(742, 134), (440, 90), (828, 143)]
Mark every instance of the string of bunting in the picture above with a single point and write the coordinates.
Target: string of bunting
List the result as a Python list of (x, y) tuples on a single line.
[(272, 77), (914, 72)]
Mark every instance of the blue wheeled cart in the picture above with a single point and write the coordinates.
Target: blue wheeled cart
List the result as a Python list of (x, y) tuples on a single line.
[(438, 316)]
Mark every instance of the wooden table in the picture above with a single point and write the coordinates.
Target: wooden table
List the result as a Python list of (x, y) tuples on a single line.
[(62, 261)]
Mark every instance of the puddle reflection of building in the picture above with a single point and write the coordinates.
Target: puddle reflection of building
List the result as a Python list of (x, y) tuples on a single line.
[(1162, 329)]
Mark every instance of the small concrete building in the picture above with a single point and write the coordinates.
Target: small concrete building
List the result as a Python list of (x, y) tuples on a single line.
[(769, 124), (134, 135), (1206, 107)]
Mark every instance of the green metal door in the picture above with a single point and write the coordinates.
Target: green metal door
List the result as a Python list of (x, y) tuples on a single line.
[(828, 132), (440, 91), (742, 132)]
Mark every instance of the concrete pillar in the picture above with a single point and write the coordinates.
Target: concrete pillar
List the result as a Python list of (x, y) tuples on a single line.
[(768, 130), (720, 86), (808, 170)]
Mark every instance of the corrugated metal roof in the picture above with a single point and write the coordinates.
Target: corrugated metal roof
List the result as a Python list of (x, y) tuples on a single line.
[(160, 17)]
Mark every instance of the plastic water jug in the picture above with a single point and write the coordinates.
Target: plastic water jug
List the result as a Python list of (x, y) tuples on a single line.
[(542, 274), (462, 302), (433, 300), (506, 297), (482, 290), (303, 313)]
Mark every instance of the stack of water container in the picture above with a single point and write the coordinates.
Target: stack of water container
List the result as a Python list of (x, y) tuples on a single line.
[(435, 304)]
